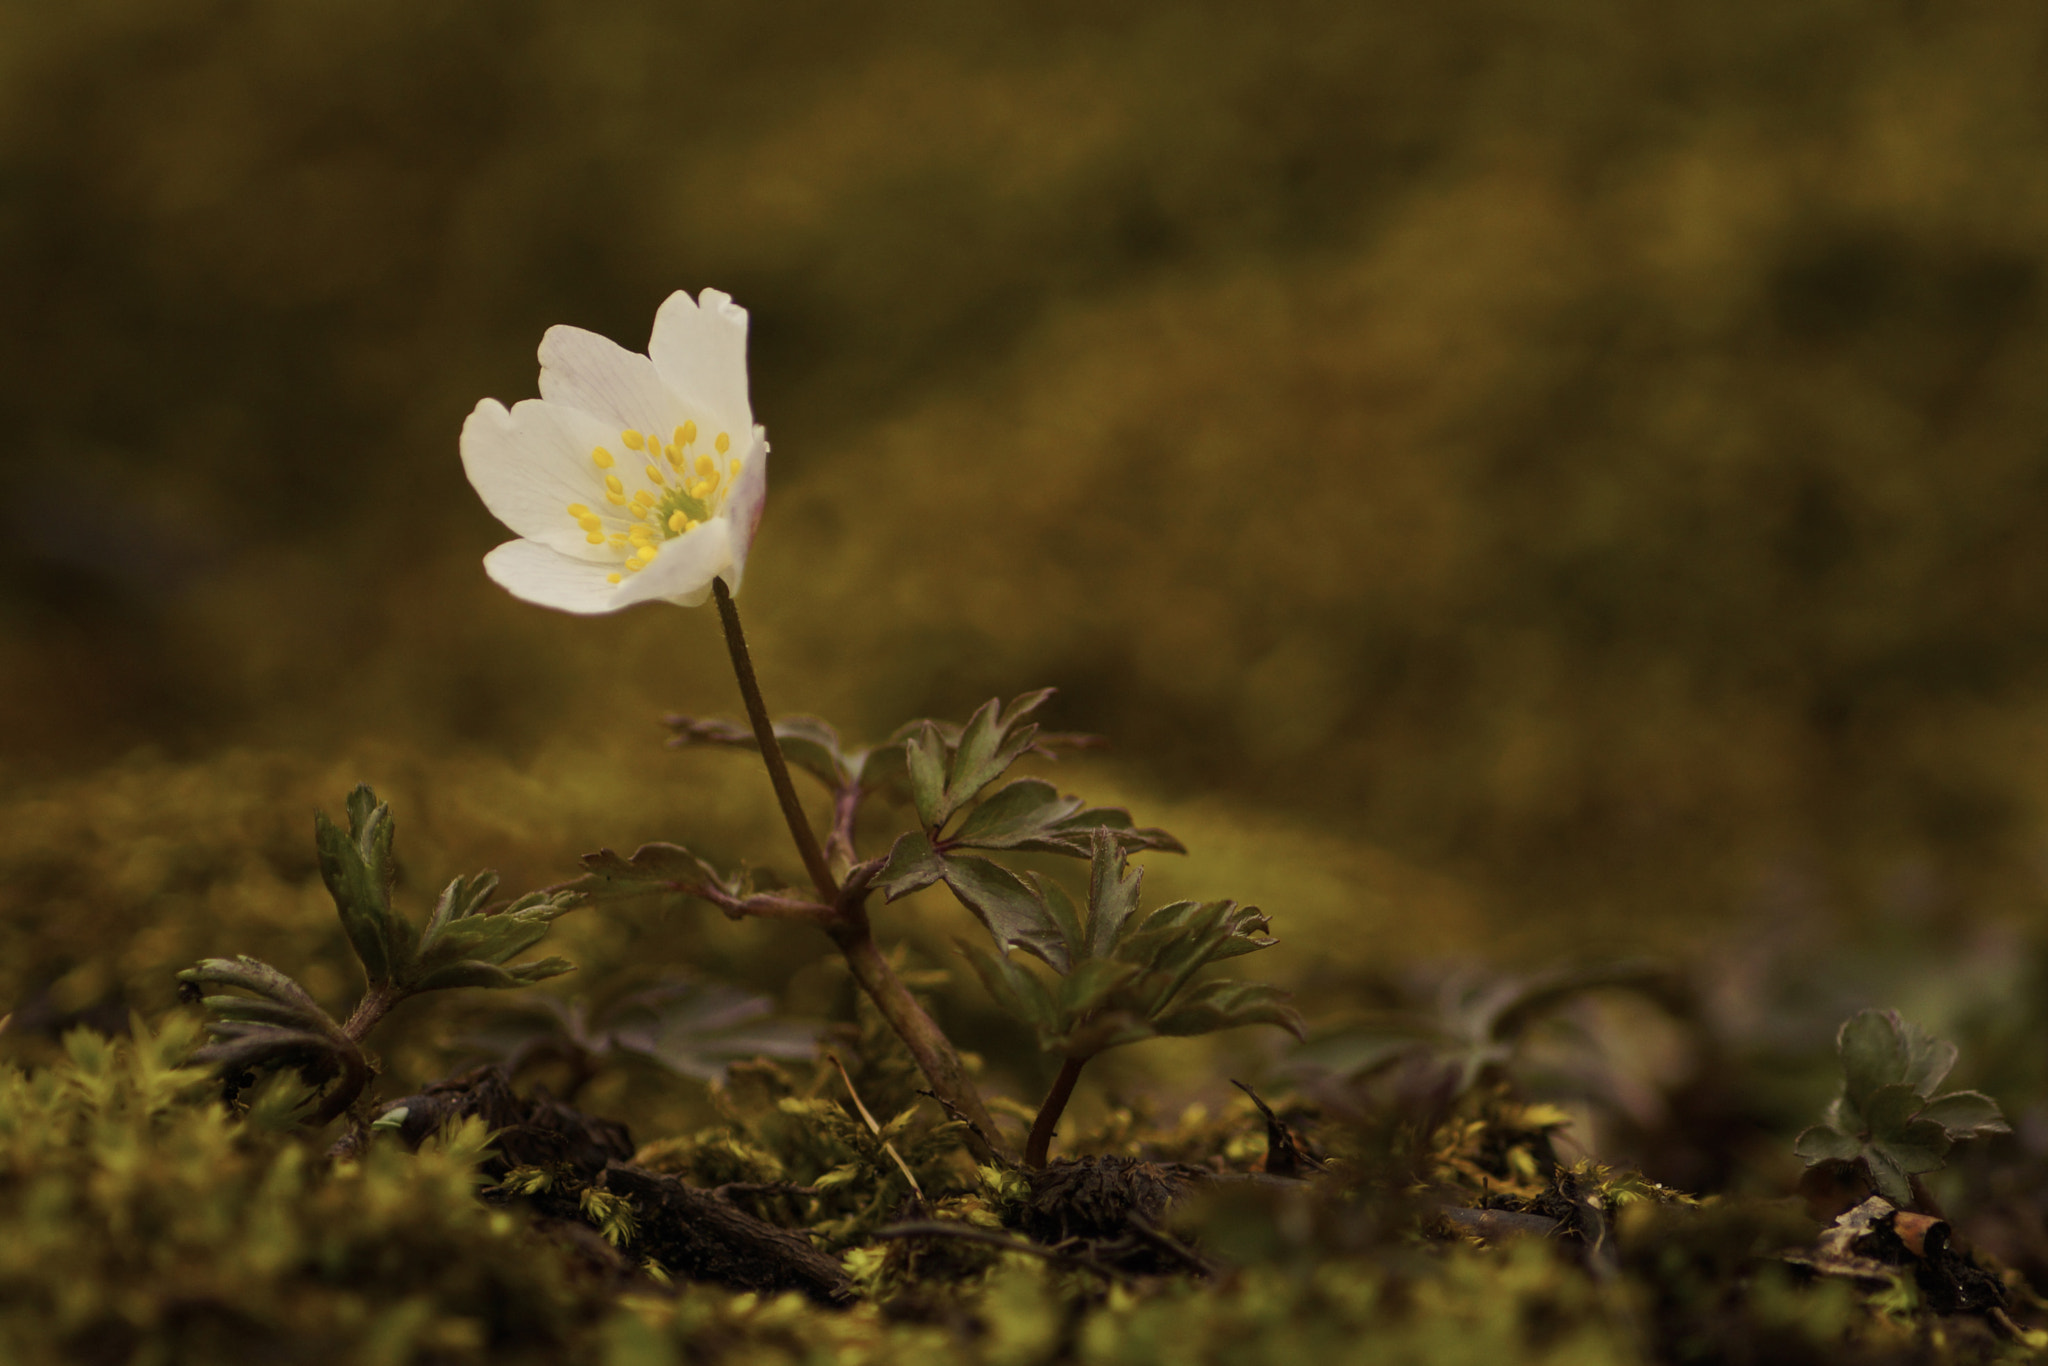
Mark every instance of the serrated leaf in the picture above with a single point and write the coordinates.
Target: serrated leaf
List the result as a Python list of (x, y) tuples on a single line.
[(1112, 895), (807, 742), (1006, 906), (465, 896), (473, 972), (1227, 1004), (1965, 1114), (1089, 985), (652, 868), (1014, 814), (912, 865), (924, 758), (361, 895), (1824, 1143), (1014, 988), (1872, 1053), (1889, 1108), (1928, 1060), (1916, 1147), (1890, 1179), (1066, 916)]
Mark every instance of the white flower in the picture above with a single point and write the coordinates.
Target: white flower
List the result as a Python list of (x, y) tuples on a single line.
[(631, 478)]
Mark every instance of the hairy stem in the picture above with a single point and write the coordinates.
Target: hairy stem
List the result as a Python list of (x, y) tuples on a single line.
[(1040, 1143), (771, 751), (929, 1047)]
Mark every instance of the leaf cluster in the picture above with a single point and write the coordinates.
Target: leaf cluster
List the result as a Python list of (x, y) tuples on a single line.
[(1888, 1116), (952, 772), (264, 1020), (1123, 977)]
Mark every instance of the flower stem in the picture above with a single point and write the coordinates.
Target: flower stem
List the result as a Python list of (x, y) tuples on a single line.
[(771, 751), (1040, 1143), (929, 1047)]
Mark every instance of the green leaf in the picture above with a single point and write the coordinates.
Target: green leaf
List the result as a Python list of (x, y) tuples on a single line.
[(1891, 1180), (357, 869), (806, 742), (473, 972), (1928, 1060), (1112, 895), (1014, 988), (924, 757), (1916, 1147), (1825, 1143), (1015, 814), (1965, 1114), (1873, 1055), (912, 865), (465, 896), (1090, 984), (1066, 916), (1227, 1004), (652, 868), (1890, 1108), (1006, 906)]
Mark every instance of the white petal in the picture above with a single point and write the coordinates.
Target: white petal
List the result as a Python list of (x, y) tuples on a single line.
[(700, 352), (530, 464), (604, 379), (743, 506), (683, 571), (533, 572)]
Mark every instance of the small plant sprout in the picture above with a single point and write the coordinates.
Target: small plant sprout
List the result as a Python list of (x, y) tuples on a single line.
[(467, 942), (596, 538), (1888, 1118), (1122, 978)]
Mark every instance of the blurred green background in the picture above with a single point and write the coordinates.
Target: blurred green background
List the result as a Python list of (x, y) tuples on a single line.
[(1515, 479)]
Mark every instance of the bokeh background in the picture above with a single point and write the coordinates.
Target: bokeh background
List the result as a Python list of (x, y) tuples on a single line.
[(1517, 480)]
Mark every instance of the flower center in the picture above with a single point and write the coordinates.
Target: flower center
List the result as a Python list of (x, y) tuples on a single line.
[(678, 490)]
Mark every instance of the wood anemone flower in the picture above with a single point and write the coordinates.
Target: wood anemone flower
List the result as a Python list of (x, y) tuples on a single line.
[(631, 478)]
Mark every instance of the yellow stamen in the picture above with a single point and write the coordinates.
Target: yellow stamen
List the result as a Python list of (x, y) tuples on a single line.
[(639, 535), (687, 433), (675, 458), (656, 477), (634, 441), (649, 551), (706, 466), (692, 524), (613, 578), (617, 500), (678, 523), (638, 512), (699, 489), (612, 484), (589, 523), (595, 538), (724, 443), (602, 458), (633, 562), (578, 511)]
